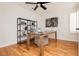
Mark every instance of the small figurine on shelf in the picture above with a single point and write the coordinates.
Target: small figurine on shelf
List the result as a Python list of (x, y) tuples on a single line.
[(33, 24), (26, 28), (23, 23)]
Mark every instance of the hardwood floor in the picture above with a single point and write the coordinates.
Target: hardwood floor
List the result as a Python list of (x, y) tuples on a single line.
[(62, 48)]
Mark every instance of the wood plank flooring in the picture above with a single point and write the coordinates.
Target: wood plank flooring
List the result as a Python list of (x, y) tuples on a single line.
[(61, 48)]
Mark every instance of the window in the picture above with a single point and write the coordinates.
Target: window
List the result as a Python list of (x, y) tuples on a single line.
[(73, 18)]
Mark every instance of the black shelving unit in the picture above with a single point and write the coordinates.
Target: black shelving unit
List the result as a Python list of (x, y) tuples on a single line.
[(25, 26)]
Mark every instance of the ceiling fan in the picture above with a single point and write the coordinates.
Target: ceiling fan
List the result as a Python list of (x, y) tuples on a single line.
[(36, 3)]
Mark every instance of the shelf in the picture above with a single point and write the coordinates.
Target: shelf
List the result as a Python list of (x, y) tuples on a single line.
[(29, 25), (21, 24), (20, 30), (21, 36)]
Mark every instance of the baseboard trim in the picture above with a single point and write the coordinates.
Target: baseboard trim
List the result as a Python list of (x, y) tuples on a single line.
[(5, 45), (63, 40)]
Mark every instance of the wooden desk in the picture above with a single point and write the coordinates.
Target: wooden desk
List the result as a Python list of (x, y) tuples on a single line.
[(41, 40)]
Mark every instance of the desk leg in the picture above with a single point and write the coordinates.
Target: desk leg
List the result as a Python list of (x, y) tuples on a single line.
[(28, 43), (41, 46), (56, 36)]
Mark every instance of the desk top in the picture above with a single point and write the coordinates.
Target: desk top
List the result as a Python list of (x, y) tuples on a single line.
[(42, 33)]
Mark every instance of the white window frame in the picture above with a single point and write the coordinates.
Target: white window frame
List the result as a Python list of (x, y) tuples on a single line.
[(73, 24)]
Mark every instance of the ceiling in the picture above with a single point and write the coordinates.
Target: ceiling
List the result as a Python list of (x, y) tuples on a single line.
[(49, 6)]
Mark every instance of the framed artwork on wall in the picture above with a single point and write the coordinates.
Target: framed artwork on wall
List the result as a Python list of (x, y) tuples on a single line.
[(48, 22), (52, 22)]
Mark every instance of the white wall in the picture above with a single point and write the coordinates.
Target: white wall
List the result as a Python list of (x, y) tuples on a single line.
[(62, 11), (9, 12)]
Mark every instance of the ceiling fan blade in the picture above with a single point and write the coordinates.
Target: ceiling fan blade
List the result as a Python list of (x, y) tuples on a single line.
[(31, 2), (43, 2), (43, 7), (36, 7)]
